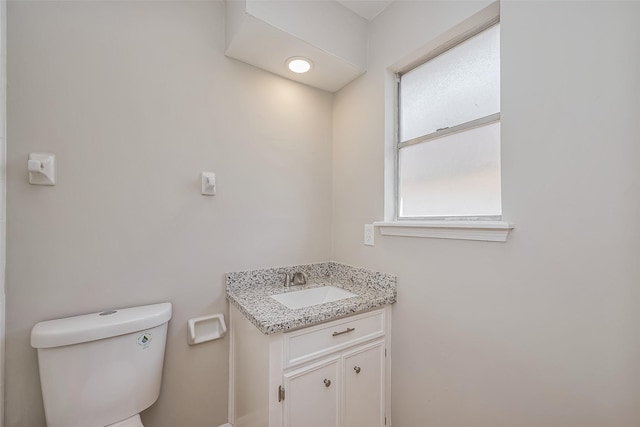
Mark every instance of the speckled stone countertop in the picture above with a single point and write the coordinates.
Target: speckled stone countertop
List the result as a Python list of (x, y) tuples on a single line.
[(250, 292)]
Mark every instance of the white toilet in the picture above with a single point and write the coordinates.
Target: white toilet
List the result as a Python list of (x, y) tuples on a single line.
[(101, 369)]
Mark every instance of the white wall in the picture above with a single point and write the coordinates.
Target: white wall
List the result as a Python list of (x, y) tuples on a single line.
[(136, 99), (541, 330)]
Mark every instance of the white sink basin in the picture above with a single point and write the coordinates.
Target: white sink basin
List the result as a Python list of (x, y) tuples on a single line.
[(313, 296)]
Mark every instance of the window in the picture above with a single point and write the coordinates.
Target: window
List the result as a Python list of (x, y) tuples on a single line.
[(448, 149)]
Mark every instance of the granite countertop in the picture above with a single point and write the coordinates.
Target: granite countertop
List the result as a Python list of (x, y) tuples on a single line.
[(250, 292)]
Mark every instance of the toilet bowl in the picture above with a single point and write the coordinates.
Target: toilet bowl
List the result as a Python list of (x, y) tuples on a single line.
[(134, 421), (101, 369)]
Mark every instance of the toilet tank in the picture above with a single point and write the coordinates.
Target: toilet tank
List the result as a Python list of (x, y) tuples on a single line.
[(100, 368)]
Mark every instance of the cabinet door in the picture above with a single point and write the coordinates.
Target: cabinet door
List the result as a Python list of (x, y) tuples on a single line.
[(364, 386), (312, 395)]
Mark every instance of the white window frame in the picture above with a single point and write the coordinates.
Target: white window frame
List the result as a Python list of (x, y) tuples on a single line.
[(465, 228)]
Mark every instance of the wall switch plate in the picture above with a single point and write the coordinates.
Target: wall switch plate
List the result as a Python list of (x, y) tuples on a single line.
[(368, 234), (208, 184), (42, 169)]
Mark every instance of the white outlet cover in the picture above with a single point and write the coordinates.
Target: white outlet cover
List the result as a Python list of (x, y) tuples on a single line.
[(368, 234)]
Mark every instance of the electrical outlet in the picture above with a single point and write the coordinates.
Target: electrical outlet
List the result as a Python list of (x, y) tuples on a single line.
[(368, 234)]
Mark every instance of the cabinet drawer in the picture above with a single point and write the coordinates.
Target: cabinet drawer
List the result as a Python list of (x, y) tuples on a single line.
[(309, 343)]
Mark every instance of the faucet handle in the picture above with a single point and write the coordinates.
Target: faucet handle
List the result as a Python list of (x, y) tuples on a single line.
[(299, 278), (287, 279)]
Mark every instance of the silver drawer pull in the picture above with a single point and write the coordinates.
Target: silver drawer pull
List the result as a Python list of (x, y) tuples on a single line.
[(335, 334), (327, 382), (357, 369)]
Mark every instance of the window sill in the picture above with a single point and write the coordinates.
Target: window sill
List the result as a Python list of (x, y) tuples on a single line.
[(489, 231)]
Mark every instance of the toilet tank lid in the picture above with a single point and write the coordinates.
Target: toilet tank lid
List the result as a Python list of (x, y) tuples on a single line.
[(96, 326)]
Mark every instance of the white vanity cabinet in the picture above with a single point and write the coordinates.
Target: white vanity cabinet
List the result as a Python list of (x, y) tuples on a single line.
[(334, 374)]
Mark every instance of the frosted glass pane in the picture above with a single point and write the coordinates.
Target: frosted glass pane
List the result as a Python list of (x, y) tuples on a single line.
[(461, 85), (457, 175)]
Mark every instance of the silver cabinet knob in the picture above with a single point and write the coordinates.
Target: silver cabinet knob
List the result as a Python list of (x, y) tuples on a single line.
[(327, 382)]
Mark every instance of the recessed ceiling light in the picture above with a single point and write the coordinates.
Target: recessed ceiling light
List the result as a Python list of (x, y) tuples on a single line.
[(299, 64)]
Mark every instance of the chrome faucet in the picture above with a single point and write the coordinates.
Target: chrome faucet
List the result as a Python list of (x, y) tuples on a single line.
[(295, 279)]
